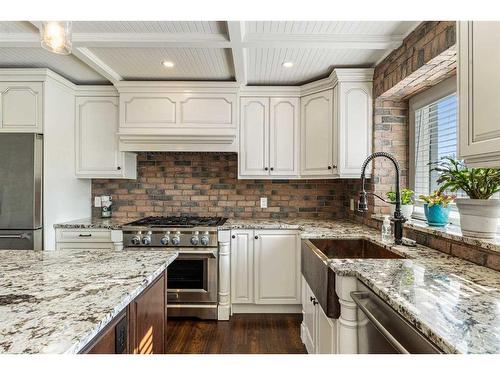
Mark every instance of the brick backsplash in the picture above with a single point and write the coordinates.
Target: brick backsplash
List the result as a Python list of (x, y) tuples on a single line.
[(183, 183)]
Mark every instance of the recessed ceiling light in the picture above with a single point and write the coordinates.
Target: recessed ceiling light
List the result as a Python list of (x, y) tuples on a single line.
[(287, 64), (167, 64)]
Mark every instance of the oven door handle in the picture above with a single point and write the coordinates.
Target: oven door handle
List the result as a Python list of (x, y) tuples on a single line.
[(211, 253)]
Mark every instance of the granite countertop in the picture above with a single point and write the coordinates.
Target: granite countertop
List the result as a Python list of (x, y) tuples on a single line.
[(58, 301), (94, 223)]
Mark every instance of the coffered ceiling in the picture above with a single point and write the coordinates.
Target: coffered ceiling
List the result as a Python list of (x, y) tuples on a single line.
[(249, 52)]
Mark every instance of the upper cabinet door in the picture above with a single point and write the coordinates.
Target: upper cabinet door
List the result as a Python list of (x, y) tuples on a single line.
[(317, 134), (254, 137), (479, 90), (284, 137), (354, 127), (21, 107), (97, 154)]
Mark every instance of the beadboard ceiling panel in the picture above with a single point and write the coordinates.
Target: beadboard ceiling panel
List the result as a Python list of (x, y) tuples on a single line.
[(265, 64), (202, 27), (190, 63), (330, 27), (67, 66)]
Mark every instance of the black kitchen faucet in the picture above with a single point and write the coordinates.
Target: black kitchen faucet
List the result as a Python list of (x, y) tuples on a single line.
[(398, 218)]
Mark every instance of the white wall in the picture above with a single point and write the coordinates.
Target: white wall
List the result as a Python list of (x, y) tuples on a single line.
[(65, 196)]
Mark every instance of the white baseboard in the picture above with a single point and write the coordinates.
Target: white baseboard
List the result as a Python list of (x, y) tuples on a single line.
[(265, 309)]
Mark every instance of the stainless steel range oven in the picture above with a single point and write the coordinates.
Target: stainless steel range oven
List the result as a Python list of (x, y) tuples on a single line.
[(192, 278)]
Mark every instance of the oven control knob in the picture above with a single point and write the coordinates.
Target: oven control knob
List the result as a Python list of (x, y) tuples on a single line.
[(194, 240), (205, 240), (146, 240), (136, 240), (165, 240), (176, 240)]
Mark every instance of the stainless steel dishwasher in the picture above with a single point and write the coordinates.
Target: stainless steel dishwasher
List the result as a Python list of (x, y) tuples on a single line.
[(381, 330)]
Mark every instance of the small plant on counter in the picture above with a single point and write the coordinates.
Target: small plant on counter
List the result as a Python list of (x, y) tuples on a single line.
[(437, 211), (407, 200), (478, 215)]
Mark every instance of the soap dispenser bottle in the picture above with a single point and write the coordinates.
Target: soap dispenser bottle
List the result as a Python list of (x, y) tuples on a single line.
[(386, 230)]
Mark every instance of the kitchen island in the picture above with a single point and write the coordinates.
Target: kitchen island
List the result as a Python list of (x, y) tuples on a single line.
[(62, 301)]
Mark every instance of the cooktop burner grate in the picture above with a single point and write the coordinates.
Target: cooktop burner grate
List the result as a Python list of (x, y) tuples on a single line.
[(178, 221)]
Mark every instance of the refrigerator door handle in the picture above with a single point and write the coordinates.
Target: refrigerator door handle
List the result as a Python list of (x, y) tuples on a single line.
[(22, 236)]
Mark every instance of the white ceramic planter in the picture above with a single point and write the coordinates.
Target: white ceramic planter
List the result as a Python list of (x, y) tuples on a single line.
[(406, 210), (478, 217)]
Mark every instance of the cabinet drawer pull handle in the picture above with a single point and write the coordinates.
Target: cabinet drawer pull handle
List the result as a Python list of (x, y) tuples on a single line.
[(233, 236), (85, 235), (256, 237)]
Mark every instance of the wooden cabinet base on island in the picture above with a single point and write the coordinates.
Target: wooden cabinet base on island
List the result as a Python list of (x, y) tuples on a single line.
[(140, 328)]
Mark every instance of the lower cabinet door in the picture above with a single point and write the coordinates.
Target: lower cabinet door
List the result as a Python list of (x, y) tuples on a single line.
[(242, 266), (325, 340), (309, 319), (276, 267), (148, 320), (113, 340)]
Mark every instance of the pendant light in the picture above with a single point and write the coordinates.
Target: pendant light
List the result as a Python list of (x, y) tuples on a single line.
[(56, 36)]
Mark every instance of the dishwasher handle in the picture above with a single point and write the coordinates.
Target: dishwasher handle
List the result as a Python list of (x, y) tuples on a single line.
[(358, 297)]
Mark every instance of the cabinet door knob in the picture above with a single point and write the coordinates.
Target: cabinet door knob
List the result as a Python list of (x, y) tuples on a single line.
[(119, 168), (256, 237), (266, 168), (233, 236), (334, 167), (311, 299), (272, 168), (315, 302), (329, 167)]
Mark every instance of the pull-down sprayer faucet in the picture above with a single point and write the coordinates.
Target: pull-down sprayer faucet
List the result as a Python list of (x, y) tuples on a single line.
[(398, 218)]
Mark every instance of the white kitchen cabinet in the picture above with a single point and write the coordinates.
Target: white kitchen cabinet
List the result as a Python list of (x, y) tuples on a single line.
[(317, 134), (277, 267), (242, 266), (265, 270), (97, 154), (478, 92), (100, 239), (336, 126), (21, 107), (318, 332), (269, 137)]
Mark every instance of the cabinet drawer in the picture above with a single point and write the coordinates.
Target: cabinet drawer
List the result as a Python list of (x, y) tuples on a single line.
[(84, 235), (85, 245)]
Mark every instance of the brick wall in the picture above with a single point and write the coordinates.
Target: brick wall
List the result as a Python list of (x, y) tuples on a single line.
[(207, 184)]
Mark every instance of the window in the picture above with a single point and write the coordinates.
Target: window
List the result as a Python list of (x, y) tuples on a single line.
[(433, 134)]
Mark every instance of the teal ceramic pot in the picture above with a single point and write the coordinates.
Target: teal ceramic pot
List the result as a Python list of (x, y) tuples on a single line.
[(437, 215)]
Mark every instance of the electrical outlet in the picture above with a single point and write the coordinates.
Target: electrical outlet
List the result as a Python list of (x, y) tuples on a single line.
[(263, 202), (97, 202), (351, 204)]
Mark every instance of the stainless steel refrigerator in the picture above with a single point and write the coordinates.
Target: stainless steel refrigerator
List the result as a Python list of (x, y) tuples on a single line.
[(21, 182)]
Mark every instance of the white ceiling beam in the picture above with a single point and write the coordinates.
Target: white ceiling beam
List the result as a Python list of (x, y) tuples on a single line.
[(236, 31), (94, 62), (88, 58), (27, 40), (371, 42), (144, 40)]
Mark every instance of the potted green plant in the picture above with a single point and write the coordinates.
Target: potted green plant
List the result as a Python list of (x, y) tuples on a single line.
[(436, 208), (407, 200), (478, 214)]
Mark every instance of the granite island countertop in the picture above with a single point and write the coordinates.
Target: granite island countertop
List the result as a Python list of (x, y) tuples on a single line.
[(58, 301)]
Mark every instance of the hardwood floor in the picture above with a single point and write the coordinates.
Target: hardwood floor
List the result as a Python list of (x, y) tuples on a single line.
[(242, 334)]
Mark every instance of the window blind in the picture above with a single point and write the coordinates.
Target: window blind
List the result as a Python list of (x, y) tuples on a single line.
[(435, 137)]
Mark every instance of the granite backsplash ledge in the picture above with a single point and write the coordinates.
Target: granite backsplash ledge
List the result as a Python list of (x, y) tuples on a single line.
[(192, 183)]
